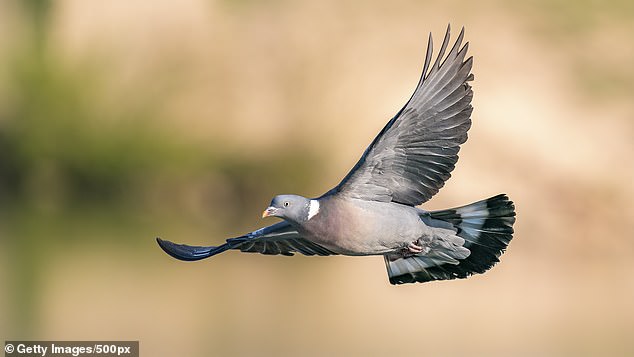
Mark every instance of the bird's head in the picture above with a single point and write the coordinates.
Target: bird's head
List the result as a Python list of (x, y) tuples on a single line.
[(290, 207)]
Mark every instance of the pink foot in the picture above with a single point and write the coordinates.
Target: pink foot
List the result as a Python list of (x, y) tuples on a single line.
[(414, 248)]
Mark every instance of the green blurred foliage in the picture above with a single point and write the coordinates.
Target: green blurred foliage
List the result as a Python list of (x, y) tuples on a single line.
[(57, 139), (69, 168), (50, 130), (54, 134)]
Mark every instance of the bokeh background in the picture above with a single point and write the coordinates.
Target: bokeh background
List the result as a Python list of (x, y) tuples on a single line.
[(122, 121)]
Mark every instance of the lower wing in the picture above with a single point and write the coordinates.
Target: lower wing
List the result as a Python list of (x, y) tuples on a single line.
[(280, 238)]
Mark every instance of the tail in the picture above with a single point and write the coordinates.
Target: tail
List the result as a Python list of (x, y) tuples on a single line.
[(486, 227)]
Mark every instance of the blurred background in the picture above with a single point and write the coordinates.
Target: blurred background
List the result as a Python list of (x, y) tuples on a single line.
[(122, 121)]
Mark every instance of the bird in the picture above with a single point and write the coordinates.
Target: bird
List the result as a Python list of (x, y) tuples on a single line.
[(374, 209)]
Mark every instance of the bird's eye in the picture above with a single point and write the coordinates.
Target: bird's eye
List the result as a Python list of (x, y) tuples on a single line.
[(286, 204)]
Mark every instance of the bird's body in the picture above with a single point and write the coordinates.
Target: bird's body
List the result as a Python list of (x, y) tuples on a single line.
[(373, 210), (358, 227)]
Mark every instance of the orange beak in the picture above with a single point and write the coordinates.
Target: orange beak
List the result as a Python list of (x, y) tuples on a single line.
[(270, 211)]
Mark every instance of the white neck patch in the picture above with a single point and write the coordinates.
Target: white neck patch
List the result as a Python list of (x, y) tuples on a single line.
[(313, 209)]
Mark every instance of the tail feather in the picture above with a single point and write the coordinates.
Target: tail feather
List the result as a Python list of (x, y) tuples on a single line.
[(487, 228)]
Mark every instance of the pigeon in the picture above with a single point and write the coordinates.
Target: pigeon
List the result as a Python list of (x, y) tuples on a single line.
[(373, 210)]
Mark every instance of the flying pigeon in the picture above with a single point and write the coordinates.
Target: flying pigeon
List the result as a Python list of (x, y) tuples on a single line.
[(373, 210)]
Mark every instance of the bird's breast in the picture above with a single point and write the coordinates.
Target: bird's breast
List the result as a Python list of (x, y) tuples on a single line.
[(352, 228)]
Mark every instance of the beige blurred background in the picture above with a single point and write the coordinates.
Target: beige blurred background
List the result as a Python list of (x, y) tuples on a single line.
[(122, 121)]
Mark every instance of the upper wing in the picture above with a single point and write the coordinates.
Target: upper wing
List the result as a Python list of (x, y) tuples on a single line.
[(412, 157), (280, 238)]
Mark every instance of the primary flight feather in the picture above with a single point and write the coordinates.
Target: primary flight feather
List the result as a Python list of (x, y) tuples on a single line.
[(373, 210)]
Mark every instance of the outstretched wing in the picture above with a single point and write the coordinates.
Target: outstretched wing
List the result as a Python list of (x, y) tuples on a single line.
[(412, 157), (280, 238)]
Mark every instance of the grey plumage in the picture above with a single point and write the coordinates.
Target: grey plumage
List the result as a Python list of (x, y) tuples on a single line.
[(486, 227), (412, 157), (372, 211)]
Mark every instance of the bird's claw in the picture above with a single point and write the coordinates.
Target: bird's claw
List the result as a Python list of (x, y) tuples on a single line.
[(414, 248)]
